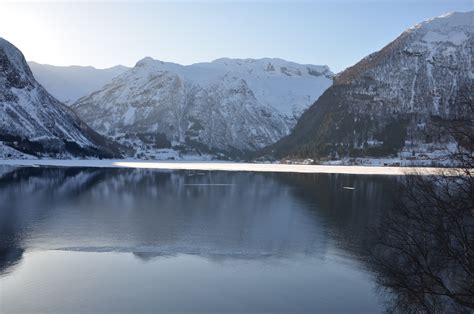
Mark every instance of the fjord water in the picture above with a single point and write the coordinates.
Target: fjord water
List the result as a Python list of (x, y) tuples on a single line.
[(130, 240)]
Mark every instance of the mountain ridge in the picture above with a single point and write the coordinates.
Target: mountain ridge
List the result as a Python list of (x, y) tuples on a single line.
[(69, 83), (389, 102), (229, 106), (34, 122)]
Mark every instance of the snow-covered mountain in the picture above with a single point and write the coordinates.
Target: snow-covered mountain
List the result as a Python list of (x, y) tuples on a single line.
[(33, 122), (69, 83), (228, 105), (395, 99)]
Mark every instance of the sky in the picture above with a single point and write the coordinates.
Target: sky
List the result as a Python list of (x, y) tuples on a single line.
[(336, 33)]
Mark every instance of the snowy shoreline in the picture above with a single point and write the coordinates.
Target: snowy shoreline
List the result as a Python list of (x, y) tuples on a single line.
[(232, 166)]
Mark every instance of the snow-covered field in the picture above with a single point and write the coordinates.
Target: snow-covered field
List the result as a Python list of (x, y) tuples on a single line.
[(232, 166)]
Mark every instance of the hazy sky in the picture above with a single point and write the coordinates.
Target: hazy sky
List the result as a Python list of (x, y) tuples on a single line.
[(102, 34)]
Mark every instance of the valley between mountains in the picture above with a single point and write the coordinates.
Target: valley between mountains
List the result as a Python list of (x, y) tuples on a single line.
[(394, 103)]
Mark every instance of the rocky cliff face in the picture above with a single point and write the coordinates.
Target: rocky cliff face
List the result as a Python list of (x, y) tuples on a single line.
[(390, 100), (34, 122), (227, 106)]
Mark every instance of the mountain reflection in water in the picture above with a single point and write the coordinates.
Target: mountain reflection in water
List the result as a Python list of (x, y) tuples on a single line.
[(220, 216)]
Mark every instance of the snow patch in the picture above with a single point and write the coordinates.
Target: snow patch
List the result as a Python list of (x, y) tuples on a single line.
[(456, 38), (129, 116)]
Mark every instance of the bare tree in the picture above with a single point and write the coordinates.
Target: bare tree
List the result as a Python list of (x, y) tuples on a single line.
[(423, 249)]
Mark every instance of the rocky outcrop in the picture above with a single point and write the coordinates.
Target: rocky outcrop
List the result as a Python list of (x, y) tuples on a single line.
[(34, 122), (391, 100)]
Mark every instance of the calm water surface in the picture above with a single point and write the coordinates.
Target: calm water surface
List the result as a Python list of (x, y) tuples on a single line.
[(122, 240)]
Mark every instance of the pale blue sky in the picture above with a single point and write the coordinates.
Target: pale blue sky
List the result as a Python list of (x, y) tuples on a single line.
[(102, 34)]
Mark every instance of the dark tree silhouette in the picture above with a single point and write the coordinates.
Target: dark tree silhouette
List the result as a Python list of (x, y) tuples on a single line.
[(422, 251)]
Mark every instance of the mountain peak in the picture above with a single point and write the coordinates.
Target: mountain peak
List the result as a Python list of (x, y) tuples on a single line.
[(228, 105), (17, 62), (34, 122), (147, 61), (447, 21), (389, 101)]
